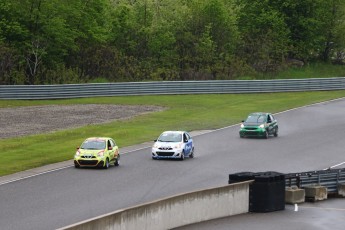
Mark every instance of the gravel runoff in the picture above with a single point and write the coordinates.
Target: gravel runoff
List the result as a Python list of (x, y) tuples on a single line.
[(29, 120)]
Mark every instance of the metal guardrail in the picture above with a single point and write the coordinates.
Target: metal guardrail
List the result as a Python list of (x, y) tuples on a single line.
[(327, 178), (63, 91)]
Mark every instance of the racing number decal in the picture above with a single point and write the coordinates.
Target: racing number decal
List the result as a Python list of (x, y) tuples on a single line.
[(188, 147)]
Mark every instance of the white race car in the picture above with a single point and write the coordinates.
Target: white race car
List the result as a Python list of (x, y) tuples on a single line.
[(173, 145)]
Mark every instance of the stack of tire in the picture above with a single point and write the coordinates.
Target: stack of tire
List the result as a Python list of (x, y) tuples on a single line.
[(266, 193)]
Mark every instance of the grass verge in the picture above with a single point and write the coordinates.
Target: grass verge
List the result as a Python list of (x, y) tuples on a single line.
[(185, 112)]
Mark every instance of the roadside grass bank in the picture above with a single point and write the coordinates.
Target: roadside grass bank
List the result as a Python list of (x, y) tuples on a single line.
[(183, 112), (312, 70)]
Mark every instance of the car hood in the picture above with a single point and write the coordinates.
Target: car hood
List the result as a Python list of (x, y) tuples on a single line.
[(89, 151), (252, 123), (166, 144)]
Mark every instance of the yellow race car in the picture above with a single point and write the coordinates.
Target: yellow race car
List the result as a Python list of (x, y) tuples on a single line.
[(97, 152)]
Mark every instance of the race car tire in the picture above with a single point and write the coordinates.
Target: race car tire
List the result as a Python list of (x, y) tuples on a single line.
[(182, 156), (117, 161), (106, 165), (191, 155), (276, 132)]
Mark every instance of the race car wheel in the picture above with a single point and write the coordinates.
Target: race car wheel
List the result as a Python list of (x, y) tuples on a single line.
[(276, 132), (117, 161), (266, 134), (106, 165), (182, 156), (76, 166), (191, 155)]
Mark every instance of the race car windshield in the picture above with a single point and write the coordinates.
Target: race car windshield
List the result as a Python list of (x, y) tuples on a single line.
[(97, 145), (170, 137), (256, 119)]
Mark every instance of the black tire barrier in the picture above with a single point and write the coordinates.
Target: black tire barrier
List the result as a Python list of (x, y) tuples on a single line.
[(266, 193), (239, 177)]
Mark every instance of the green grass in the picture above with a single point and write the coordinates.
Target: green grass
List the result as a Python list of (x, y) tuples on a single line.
[(312, 70), (186, 112)]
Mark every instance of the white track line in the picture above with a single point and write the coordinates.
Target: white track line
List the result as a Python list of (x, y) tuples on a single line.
[(37, 174)]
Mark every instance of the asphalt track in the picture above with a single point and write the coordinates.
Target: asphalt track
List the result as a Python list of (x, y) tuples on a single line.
[(310, 138)]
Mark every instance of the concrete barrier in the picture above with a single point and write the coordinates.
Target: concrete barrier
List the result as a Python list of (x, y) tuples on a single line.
[(294, 195), (315, 192), (341, 189), (175, 211)]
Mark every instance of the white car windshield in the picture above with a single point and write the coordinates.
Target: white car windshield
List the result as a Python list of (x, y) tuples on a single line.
[(93, 144), (170, 137)]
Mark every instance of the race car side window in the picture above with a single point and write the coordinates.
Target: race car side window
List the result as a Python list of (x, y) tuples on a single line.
[(269, 120), (272, 117), (189, 137), (185, 137)]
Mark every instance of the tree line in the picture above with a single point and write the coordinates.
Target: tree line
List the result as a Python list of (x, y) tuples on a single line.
[(76, 41)]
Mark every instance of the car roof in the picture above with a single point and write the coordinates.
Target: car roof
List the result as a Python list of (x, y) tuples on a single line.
[(171, 131), (98, 138), (259, 113)]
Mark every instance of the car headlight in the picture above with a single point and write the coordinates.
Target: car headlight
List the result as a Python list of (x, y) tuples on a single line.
[(262, 126), (77, 153), (178, 146), (242, 125), (101, 153), (155, 146)]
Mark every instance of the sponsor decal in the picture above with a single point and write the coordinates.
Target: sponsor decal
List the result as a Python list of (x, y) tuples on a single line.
[(188, 147)]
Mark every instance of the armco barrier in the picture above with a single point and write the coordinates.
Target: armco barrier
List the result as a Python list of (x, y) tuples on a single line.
[(329, 178), (175, 211), (32, 92)]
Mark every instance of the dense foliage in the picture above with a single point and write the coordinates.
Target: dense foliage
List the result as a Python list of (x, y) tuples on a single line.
[(72, 41)]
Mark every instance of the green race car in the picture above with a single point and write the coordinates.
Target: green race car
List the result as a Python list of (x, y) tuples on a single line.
[(97, 152), (259, 125)]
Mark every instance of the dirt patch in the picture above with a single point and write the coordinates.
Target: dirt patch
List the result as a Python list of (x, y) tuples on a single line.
[(28, 120)]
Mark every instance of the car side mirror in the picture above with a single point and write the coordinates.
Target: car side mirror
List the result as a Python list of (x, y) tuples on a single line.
[(242, 120), (78, 147), (154, 140), (110, 148)]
